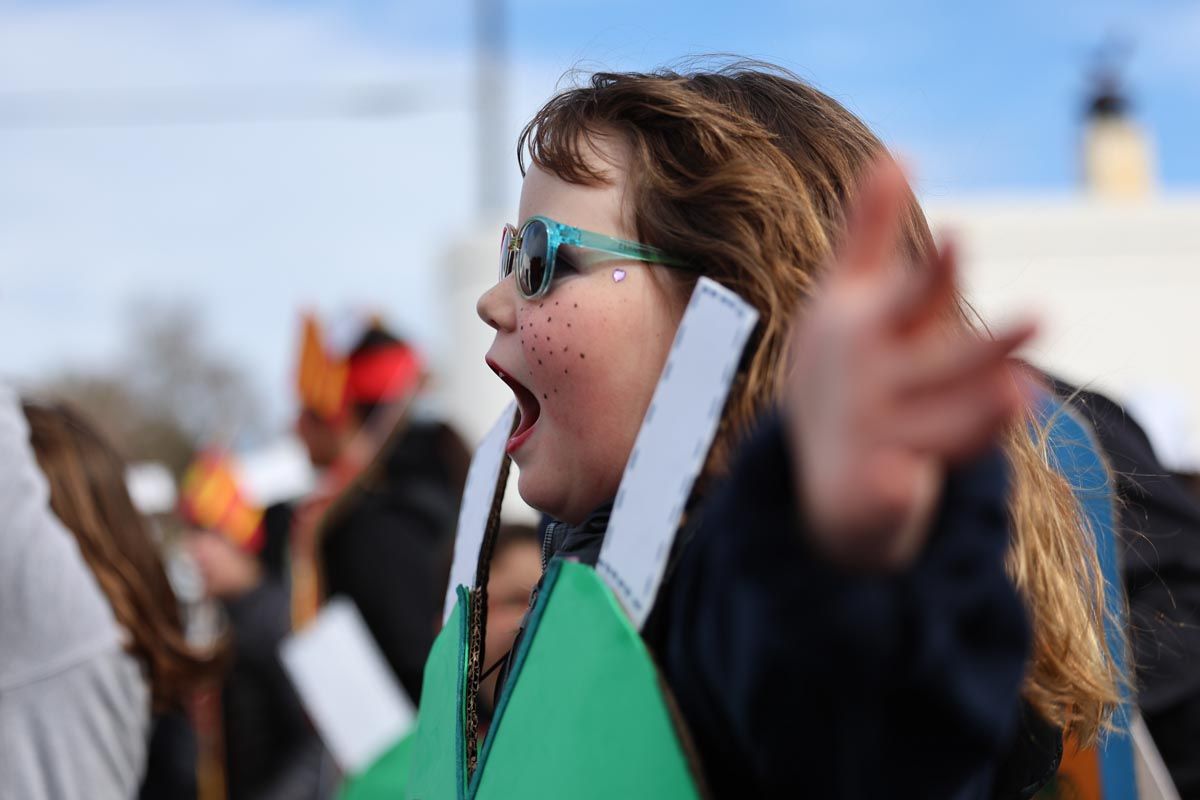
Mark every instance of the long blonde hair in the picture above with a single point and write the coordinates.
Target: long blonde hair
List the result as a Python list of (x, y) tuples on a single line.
[(746, 172)]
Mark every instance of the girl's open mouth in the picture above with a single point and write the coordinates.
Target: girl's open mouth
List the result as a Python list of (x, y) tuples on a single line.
[(527, 405)]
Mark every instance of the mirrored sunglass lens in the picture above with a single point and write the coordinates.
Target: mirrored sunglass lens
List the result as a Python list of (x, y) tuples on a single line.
[(505, 256), (532, 268)]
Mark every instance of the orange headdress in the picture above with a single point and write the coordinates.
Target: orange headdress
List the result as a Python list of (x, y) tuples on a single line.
[(321, 379), (328, 383)]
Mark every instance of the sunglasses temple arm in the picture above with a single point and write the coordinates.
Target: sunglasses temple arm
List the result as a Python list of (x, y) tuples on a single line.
[(623, 247)]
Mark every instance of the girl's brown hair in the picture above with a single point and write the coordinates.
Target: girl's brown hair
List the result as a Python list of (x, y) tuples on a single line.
[(746, 172), (88, 495)]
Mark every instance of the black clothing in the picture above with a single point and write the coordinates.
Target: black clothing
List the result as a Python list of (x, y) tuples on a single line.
[(384, 546), (277, 529), (1032, 759), (271, 750), (795, 676), (1159, 528), (170, 759), (580, 541)]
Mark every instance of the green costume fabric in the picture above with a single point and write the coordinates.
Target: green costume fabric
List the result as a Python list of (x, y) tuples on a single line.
[(583, 714), (385, 778)]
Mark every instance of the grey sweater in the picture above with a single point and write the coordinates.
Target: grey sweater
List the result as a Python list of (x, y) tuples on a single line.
[(74, 707)]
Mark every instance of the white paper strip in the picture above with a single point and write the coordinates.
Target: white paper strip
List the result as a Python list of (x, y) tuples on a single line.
[(672, 444), (348, 689), (477, 504), (1153, 780)]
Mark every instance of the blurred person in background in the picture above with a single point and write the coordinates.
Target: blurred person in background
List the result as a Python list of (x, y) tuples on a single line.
[(378, 526), (376, 530), (268, 747), (1159, 527), (516, 569), (88, 494)]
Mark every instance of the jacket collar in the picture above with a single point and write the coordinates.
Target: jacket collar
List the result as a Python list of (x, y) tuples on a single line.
[(581, 542)]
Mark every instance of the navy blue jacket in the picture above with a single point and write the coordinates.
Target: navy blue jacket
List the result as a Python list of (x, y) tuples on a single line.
[(796, 678)]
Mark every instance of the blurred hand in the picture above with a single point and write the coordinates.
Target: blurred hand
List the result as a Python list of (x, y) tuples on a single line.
[(886, 389), (227, 571)]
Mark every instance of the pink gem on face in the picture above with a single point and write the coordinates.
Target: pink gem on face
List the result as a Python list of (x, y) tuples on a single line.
[(618, 275)]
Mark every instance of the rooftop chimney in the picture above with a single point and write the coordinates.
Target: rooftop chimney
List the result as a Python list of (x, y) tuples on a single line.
[(1118, 158)]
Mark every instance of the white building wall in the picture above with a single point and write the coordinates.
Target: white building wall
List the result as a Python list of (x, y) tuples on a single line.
[(1117, 287)]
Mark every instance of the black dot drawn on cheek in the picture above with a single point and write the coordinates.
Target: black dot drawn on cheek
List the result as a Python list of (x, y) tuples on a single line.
[(577, 305), (581, 355), (539, 362), (544, 396)]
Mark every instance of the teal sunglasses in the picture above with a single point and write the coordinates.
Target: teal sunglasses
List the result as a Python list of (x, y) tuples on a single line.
[(533, 249)]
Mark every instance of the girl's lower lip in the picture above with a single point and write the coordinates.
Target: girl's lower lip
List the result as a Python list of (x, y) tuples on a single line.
[(518, 440)]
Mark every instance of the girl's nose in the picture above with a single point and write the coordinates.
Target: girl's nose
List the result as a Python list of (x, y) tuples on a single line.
[(497, 307)]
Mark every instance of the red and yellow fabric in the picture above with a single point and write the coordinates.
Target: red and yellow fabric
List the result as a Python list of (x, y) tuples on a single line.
[(321, 378), (327, 385), (211, 499)]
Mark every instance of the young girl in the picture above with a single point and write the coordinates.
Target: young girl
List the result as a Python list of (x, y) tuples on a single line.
[(838, 621)]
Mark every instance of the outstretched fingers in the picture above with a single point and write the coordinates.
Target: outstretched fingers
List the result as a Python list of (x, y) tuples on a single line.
[(946, 360), (960, 421)]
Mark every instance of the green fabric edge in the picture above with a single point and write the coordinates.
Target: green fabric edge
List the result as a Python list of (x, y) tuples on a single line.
[(539, 609), (387, 776), (460, 747), (441, 660)]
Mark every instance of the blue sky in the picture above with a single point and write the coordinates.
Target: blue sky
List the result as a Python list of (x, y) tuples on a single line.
[(995, 86), (251, 222)]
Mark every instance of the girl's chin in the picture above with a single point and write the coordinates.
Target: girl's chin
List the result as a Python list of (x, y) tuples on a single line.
[(537, 495)]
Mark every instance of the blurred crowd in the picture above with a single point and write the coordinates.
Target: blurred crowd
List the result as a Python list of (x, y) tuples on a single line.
[(221, 717)]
